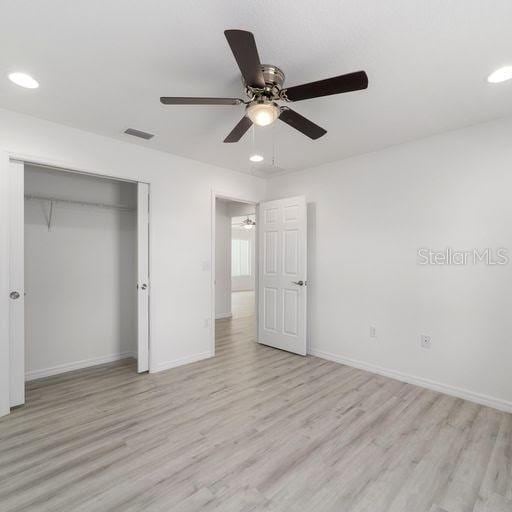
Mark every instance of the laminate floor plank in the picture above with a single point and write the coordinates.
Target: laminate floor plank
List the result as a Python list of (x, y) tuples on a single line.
[(253, 429)]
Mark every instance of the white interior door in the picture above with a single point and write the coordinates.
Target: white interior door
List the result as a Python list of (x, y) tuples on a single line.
[(16, 284), (143, 277), (282, 229)]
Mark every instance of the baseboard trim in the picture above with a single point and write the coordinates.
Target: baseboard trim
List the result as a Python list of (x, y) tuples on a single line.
[(222, 316), (496, 403), (76, 365), (167, 365)]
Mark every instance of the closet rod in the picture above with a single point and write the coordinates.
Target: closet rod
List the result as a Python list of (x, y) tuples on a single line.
[(123, 207)]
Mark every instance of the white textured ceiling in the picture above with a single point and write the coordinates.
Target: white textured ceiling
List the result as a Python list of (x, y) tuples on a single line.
[(103, 64)]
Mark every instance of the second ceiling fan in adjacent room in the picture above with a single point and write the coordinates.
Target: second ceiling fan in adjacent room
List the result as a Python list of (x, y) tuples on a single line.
[(264, 88)]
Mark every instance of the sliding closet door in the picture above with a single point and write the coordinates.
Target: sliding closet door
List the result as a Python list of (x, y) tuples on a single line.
[(16, 284), (143, 277)]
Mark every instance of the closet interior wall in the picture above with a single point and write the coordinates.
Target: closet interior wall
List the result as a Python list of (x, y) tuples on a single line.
[(80, 270)]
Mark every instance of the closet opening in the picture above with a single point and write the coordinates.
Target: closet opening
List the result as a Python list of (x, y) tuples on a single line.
[(83, 273)]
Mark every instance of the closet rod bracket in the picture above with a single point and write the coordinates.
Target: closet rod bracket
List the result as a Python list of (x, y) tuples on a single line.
[(50, 216)]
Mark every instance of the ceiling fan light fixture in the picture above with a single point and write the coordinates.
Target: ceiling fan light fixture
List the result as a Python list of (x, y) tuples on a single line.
[(263, 113), (248, 223), (264, 89)]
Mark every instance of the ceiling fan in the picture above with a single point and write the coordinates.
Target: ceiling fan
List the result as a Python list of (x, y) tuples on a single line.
[(247, 223), (264, 87)]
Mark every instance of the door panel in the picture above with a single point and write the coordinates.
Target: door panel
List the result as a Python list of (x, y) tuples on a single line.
[(270, 309), (291, 312), (16, 283), (143, 277), (291, 251), (282, 264), (270, 247)]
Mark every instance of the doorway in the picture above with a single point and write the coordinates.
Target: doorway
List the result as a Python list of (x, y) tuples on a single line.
[(275, 313), (79, 273), (235, 269)]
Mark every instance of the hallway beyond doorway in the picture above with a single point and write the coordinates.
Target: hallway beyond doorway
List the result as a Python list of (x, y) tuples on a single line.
[(242, 304)]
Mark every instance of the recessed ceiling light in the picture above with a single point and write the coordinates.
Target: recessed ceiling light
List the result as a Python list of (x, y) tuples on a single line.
[(500, 75), (256, 158), (24, 80)]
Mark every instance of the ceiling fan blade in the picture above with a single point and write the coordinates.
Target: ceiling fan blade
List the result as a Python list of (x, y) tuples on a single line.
[(183, 100), (300, 123), (238, 131), (244, 49), (335, 85)]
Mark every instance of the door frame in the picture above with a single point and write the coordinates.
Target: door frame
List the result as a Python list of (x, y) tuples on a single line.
[(6, 157), (216, 194)]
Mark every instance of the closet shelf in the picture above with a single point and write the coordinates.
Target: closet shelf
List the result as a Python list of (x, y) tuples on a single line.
[(62, 200), (81, 203)]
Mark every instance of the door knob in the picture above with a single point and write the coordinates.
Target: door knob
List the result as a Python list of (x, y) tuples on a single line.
[(14, 295), (299, 283), (144, 286)]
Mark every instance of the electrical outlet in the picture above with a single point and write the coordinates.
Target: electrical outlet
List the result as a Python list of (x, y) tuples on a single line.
[(206, 323), (373, 331), (425, 341)]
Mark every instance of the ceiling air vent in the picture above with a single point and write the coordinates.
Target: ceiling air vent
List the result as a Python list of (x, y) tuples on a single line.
[(138, 133)]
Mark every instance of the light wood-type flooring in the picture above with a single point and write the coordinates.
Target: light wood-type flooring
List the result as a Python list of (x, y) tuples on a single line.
[(253, 429), (242, 304)]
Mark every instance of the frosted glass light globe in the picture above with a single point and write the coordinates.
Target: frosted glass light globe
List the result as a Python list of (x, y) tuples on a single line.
[(263, 114)]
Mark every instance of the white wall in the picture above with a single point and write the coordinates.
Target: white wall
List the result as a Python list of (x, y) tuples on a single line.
[(368, 215), (180, 259), (222, 259), (81, 275), (237, 209)]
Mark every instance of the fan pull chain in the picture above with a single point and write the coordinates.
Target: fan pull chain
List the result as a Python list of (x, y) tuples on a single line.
[(274, 146)]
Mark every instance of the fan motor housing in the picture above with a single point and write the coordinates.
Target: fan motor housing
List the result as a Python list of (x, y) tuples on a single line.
[(274, 80), (273, 75)]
